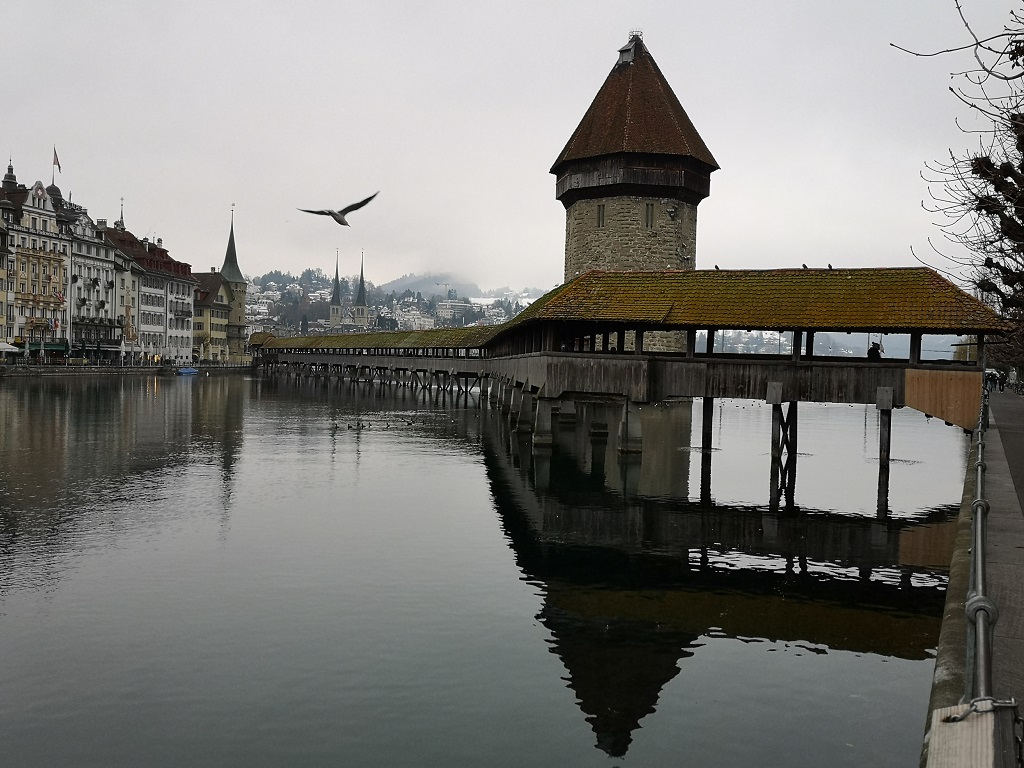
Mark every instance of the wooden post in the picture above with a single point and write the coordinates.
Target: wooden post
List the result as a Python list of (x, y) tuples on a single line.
[(567, 411), (711, 341), (691, 341), (630, 432), (506, 396), (542, 424), (773, 494), (525, 421), (797, 343), (809, 350), (773, 397), (706, 426), (883, 402), (789, 469), (915, 347)]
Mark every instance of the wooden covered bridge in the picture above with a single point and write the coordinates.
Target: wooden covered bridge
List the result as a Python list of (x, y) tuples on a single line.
[(632, 337)]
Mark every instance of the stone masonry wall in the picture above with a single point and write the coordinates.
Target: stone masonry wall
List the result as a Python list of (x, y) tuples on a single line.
[(625, 243)]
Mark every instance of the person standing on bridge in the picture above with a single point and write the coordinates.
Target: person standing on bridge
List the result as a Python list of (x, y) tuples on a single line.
[(874, 353)]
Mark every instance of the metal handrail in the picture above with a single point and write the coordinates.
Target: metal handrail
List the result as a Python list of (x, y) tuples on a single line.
[(980, 609)]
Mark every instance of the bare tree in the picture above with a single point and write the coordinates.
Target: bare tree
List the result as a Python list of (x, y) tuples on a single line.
[(980, 198)]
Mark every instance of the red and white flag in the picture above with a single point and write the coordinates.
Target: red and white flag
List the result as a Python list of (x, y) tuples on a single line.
[(55, 160)]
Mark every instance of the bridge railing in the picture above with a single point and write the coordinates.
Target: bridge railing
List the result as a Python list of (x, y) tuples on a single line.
[(982, 730)]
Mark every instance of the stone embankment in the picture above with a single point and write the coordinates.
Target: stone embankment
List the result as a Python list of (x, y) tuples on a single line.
[(112, 370)]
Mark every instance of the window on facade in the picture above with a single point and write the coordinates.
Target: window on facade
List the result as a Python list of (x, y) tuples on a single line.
[(600, 215), (649, 215)]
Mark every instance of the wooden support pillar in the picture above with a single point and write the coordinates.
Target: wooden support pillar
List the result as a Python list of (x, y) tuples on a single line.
[(604, 342), (485, 383), (566, 411), (798, 340), (639, 335), (789, 468), (784, 447), (915, 347), (630, 430), (507, 394), (809, 346), (706, 426), (515, 403), (525, 421), (691, 341), (883, 402), (598, 445), (542, 423), (541, 466), (711, 341), (494, 392)]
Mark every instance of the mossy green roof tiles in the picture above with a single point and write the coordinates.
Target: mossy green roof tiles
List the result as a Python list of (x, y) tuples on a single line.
[(886, 300), (890, 300)]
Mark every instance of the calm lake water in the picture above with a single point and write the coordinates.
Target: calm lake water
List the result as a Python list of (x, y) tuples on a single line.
[(226, 571)]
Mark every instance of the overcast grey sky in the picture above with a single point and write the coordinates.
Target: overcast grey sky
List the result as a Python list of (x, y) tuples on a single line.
[(455, 111)]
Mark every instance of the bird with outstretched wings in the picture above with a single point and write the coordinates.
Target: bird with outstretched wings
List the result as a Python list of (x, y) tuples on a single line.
[(339, 215)]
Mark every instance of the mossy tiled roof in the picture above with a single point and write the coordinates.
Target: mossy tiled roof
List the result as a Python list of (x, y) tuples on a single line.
[(890, 300), (635, 111), (472, 337)]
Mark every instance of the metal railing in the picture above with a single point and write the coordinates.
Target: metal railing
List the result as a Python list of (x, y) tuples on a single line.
[(981, 610), (995, 740)]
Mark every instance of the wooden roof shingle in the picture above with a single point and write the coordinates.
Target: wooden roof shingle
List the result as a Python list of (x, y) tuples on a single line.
[(889, 299), (635, 111)]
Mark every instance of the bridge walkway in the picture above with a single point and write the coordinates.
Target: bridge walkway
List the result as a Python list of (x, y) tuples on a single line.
[(1005, 489)]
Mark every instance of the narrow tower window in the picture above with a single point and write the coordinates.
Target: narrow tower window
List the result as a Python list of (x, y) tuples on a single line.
[(600, 215), (649, 215)]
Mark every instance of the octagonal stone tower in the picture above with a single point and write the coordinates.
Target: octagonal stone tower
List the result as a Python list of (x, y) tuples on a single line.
[(632, 174)]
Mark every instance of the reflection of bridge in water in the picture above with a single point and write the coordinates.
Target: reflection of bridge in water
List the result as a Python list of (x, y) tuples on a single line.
[(634, 574)]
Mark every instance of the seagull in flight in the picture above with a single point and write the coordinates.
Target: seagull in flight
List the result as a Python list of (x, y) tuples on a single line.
[(339, 216)]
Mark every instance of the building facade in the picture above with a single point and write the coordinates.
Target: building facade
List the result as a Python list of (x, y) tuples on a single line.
[(36, 269), (156, 296)]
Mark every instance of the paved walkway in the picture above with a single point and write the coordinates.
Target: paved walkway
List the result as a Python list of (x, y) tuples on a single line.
[(1004, 455)]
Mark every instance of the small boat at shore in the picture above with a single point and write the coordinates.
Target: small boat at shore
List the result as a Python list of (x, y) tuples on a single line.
[(187, 371)]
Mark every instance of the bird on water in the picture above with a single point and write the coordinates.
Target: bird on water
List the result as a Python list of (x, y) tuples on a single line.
[(339, 216)]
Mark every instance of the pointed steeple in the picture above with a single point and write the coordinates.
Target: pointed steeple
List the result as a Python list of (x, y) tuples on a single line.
[(230, 270), (336, 295), (361, 293), (635, 112)]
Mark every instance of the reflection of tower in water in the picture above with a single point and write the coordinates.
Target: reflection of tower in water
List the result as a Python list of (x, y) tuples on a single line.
[(635, 577)]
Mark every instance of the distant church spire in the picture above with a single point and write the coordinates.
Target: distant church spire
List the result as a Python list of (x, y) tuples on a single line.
[(361, 293), (230, 270), (336, 295)]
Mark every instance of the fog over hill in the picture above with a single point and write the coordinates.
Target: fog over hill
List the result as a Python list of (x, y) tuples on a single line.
[(441, 282)]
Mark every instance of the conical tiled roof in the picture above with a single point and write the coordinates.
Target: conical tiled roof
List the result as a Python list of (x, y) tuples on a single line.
[(230, 270), (635, 111)]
